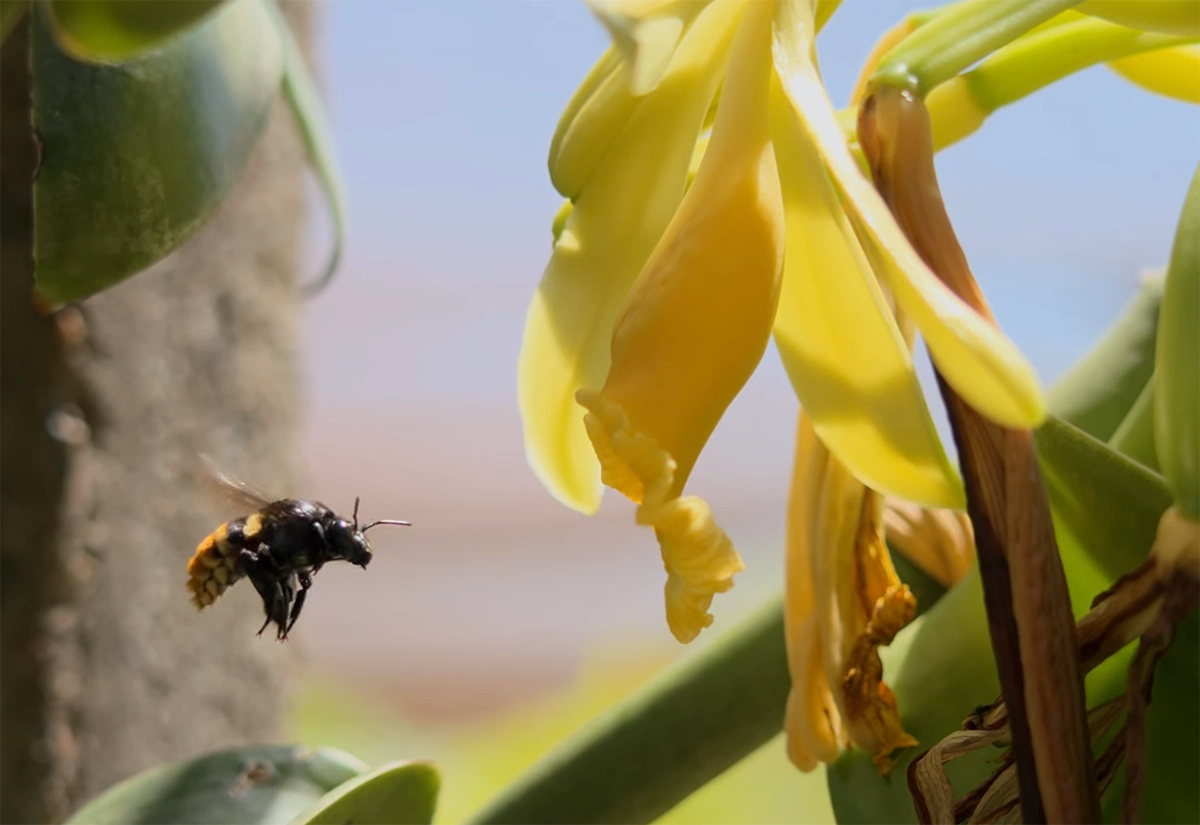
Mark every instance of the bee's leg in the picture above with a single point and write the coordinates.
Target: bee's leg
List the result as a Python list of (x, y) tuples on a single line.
[(287, 590), (305, 583), (264, 574), (277, 610)]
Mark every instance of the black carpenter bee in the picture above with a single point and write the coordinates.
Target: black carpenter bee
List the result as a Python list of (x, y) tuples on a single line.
[(279, 547)]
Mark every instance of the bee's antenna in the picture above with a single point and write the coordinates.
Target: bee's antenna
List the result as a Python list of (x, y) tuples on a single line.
[(387, 521), (376, 523)]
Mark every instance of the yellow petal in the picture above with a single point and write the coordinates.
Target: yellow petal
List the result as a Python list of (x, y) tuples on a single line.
[(646, 33), (698, 556), (1163, 16), (605, 240), (812, 722), (983, 366), (1173, 72), (595, 116), (692, 331), (844, 353)]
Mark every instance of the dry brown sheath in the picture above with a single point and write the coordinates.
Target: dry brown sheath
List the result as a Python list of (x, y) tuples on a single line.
[(1025, 589)]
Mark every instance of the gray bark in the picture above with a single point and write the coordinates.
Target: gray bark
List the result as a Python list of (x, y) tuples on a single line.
[(108, 669)]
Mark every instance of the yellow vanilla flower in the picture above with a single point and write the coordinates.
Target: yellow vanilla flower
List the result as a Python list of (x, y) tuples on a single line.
[(660, 296)]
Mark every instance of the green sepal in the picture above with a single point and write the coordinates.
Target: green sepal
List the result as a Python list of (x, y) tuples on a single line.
[(233, 787), (400, 793), (113, 31), (136, 157)]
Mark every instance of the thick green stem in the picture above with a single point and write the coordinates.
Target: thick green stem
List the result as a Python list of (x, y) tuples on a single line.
[(643, 757), (959, 37)]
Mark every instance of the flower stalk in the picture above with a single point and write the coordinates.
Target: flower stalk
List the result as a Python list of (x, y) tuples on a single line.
[(1025, 589), (959, 37)]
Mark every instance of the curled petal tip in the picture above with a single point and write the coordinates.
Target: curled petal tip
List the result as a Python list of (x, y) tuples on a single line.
[(699, 557)]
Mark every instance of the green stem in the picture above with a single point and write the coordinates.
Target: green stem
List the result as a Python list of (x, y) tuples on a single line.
[(959, 37), (308, 112), (681, 730)]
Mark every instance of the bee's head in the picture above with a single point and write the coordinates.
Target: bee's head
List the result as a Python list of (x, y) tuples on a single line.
[(349, 542)]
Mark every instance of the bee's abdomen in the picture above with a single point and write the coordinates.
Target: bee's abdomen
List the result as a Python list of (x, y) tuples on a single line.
[(215, 564)]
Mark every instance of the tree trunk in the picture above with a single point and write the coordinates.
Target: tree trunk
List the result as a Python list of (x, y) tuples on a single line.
[(108, 669)]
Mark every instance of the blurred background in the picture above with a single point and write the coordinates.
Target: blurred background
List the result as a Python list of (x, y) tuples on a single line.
[(502, 620)]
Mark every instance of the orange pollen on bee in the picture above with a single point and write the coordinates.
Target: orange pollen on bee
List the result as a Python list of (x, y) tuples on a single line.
[(212, 568)]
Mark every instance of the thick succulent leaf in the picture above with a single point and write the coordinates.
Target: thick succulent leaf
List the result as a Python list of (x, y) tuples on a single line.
[(300, 91), (111, 31), (400, 793), (136, 157), (243, 785)]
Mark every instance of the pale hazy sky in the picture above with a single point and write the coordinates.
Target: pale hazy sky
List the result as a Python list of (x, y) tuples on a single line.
[(443, 112)]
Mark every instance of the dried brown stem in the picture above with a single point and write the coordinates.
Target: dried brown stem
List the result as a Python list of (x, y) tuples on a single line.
[(1025, 589)]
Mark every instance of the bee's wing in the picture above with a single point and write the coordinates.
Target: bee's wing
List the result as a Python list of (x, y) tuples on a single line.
[(233, 490)]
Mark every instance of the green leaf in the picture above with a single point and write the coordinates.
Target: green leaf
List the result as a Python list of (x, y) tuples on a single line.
[(685, 727), (300, 90), (1099, 390), (401, 793), (136, 157), (1177, 388), (243, 785), (111, 31), (1106, 503)]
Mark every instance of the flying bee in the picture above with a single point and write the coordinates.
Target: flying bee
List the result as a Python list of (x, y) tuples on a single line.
[(279, 547)]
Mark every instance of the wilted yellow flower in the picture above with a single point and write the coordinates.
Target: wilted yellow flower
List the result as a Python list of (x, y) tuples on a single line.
[(660, 296), (844, 600)]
